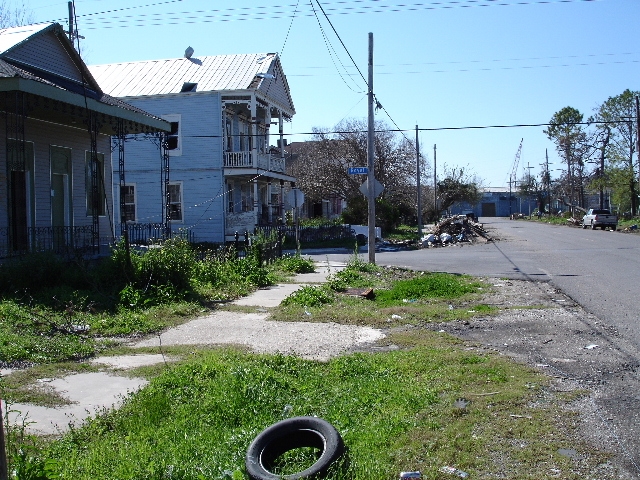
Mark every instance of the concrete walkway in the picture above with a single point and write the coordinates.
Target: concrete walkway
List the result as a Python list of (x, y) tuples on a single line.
[(91, 392)]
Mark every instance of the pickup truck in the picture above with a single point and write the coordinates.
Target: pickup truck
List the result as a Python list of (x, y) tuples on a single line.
[(598, 217)]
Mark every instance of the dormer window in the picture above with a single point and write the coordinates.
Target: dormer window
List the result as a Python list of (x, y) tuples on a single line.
[(188, 87)]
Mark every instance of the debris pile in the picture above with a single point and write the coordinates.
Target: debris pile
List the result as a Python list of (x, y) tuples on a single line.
[(455, 229)]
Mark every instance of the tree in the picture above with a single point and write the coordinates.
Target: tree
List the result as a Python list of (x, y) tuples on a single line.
[(616, 115), (13, 15), (567, 132), (458, 186), (322, 171)]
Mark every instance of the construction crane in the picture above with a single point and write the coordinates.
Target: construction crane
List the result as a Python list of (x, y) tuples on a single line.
[(514, 172)]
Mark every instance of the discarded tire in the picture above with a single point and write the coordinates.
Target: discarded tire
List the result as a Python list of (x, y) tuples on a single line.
[(297, 432)]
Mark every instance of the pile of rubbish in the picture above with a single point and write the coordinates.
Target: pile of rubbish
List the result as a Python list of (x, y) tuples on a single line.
[(455, 229)]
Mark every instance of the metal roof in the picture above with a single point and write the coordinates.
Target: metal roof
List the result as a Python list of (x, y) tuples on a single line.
[(255, 71)]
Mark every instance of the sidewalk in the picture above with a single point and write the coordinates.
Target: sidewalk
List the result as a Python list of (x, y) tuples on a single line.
[(91, 392)]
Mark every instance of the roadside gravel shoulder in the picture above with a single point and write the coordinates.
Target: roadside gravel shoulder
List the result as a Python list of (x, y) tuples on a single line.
[(542, 327)]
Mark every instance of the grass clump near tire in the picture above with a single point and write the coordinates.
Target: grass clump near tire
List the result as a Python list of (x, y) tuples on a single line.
[(395, 411)]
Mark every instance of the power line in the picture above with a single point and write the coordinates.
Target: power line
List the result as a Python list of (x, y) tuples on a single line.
[(436, 129), (113, 19)]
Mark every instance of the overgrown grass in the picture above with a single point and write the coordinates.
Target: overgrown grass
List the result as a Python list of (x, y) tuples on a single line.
[(400, 297), (52, 311), (395, 411)]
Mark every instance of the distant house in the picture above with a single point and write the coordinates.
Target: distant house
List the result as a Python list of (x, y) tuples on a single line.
[(55, 175), (496, 202), (222, 175), (330, 207)]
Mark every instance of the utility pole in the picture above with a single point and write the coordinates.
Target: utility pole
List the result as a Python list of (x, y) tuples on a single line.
[(435, 185), (71, 26), (529, 186), (638, 134), (418, 185), (370, 161), (4, 474), (547, 178)]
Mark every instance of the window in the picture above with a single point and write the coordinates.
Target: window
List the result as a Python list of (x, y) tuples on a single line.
[(175, 202), (229, 134), (230, 208), (174, 137), (129, 200), (95, 204), (247, 197)]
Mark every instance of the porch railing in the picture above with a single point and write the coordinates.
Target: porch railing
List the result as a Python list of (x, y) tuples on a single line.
[(147, 233), (265, 161), (61, 240)]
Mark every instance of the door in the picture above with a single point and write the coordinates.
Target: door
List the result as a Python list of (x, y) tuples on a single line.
[(19, 237), (60, 195), (488, 209), (21, 193)]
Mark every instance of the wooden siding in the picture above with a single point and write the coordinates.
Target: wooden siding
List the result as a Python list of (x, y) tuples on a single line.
[(44, 135), (47, 53), (199, 168), (277, 89)]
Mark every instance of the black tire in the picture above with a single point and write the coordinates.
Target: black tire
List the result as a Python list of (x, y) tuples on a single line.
[(593, 226), (584, 226), (613, 227), (290, 434)]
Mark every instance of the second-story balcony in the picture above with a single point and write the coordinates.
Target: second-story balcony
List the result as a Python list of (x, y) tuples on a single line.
[(246, 159)]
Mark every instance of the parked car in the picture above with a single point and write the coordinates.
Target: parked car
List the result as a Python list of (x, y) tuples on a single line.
[(599, 217)]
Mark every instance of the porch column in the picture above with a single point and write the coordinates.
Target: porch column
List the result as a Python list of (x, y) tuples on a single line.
[(282, 215), (256, 213), (270, 213), (281, 131), (252, 133)]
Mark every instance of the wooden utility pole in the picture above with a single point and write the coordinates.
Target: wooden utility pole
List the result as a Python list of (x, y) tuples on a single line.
[(418, 185), (638, 134), (371, 197), (435, 185), (71, 26), (4, 474)]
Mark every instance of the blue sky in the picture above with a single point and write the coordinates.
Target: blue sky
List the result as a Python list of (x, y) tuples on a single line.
[(437, 63)]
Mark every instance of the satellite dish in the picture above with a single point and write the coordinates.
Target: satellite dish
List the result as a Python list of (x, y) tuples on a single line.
[(188, 52)]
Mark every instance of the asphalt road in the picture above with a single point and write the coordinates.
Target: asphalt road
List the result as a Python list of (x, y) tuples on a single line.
[(599, 269)]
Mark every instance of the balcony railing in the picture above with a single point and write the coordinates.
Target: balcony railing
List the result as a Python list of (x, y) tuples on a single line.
[(265, 161)]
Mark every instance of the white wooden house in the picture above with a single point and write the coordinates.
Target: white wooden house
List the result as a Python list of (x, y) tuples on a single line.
[(223, 174), (55, 181)]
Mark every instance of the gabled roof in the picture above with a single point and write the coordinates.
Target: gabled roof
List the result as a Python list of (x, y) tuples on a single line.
[(260, 72), (45, 51), (41, 60)]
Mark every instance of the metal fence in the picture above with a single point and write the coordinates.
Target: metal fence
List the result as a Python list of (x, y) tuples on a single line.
[(311, 233), (60, 240), (148, 233)]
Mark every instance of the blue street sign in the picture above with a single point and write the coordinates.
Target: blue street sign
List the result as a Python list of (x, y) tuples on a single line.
[(358, 170)]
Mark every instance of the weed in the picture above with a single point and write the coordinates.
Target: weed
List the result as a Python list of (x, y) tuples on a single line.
[(309, 296)]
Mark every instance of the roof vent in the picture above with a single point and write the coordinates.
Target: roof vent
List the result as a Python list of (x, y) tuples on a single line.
[(188, 52)]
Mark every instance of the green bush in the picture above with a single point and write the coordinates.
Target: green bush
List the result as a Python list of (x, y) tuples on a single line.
[(296, 264), (309, 296)]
